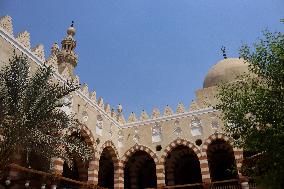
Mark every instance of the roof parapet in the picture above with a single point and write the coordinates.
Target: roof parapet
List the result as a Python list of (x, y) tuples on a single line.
[(7, 24)]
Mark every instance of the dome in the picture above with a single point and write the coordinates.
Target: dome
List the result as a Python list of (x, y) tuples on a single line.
[(225, 71)]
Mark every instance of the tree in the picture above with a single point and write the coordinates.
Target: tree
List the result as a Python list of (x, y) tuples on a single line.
[(253, 110), (31, 118)]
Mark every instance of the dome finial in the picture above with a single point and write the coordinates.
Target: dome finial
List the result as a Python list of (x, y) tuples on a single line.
[(223, 49), (71, 30)]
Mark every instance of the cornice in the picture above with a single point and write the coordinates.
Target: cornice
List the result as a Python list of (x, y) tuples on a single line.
[(170, 117), (9, 38)]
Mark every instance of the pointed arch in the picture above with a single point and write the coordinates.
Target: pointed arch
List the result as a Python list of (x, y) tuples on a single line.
[(86, 134), (237, 153), (113, 150), (183, 152), (137, 148), (108, 165), (179, 142), (139, 165)]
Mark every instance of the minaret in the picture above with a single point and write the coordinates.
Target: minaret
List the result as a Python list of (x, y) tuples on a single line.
[(67, 58)]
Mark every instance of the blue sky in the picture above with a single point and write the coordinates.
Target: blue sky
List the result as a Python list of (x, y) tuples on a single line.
[(146, 53)]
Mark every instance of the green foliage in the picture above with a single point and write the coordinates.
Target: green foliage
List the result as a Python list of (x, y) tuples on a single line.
[(253, 108), (31, 118)]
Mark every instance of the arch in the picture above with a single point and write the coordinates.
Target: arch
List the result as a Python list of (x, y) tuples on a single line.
[(80, 168), (110, 145), (219, 152), (179, 142), (151, 160), (108, 165), (86, 134), (140, 171), (137, 148), (213, 137), (168, 149), (180, 163)]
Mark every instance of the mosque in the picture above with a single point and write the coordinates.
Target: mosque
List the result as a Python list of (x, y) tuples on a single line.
[(182, 146)]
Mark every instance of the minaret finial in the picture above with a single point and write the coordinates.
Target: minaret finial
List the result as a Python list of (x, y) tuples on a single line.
[(72, 23), (223, 49)]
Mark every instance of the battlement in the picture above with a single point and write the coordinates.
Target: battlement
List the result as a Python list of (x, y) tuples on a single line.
[(37, 53)]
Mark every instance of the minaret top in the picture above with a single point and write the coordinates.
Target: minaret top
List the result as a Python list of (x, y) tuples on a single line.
[(71, 30), (67, 56)]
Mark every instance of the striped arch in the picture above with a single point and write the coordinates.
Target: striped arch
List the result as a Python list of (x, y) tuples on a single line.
[(167, 151), (115, 159), (137, 148), (114, 153), (238, 153), (57, 163), (86, 134), (132, 151)]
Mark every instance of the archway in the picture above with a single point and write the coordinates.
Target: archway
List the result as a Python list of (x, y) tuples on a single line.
[(78, 169), (182, 167), (221, 160), (106, 168), (140, 171)]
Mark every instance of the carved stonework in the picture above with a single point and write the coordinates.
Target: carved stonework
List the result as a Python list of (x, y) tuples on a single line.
[(24, 39), (120, 118), (195, 126), (99, 125), (39, 52), (85, 89), (132, 118), (177, 129), (110, 130), (155, 113), (120, 139), (144, 115), (107, 108), (136, 136), (193, 106), (112, 113), (6, 24), (214, 122), (156, 133), (180, 108), (93, 96), (101, 102), (168, 111), (85, 116)]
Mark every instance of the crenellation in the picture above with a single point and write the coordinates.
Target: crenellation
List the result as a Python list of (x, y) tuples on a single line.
[(24, 39), (39, 51), (7, 24), (101, 102), (148, 133), (144, 116), (107, 108), (193, 106), (132, 118), (52, 61), (93, 96), (85, 89), (168, 111), (180, 108), (156, 113)]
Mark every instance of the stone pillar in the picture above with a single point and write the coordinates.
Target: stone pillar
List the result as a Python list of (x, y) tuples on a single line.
[(119, 176), (93, 171), (238, 153), (160, 173), (204, 168)]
